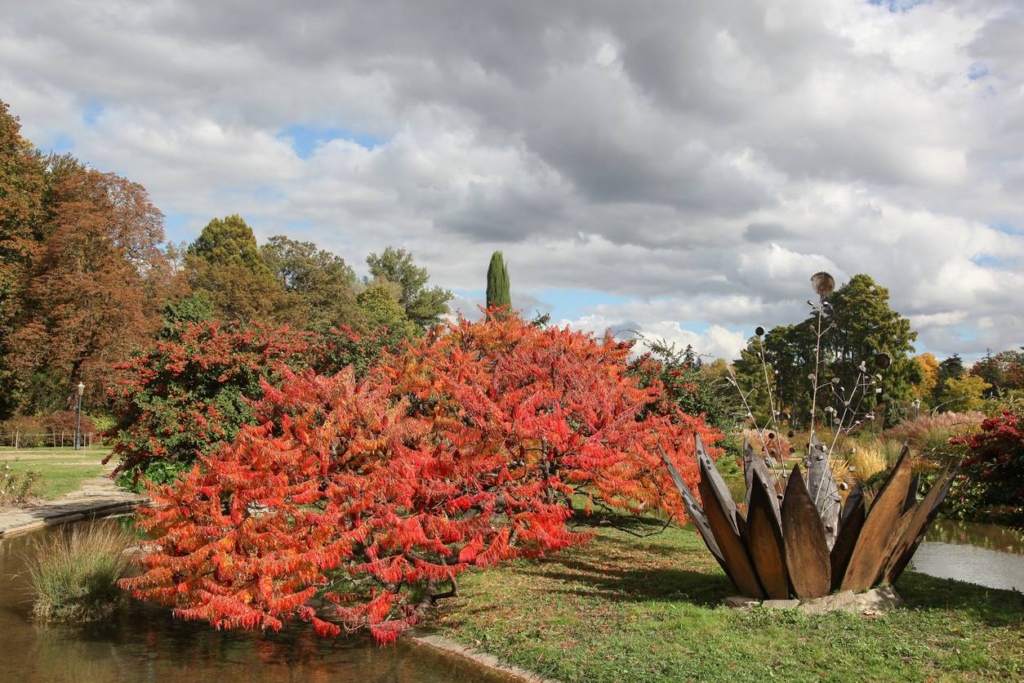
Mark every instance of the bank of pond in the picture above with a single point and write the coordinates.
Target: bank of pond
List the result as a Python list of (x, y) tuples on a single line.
[(144, 643)]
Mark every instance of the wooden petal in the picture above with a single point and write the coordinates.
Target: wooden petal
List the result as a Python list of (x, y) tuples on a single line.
[(721, 519), (923, 516), (821, 485), (852, 521), (711, 475), (764, 539), (879, 525), (807, 555), (694, 510)]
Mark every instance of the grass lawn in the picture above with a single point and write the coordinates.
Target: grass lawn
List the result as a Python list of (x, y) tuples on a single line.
[(61, 470), (627, 609)]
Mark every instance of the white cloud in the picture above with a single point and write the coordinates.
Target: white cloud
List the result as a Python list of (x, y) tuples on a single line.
[(695, 161)]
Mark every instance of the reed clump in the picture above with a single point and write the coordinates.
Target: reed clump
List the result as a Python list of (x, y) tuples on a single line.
[(74, 575)]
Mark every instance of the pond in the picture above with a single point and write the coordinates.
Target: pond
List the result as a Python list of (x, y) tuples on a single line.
[(984, 554), (146, 644)]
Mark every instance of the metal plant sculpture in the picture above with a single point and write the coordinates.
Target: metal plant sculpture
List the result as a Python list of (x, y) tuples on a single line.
[(798, 537)]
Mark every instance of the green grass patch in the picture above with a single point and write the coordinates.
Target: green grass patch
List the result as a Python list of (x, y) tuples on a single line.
[(60, 471), (74, 574), (650, 609)]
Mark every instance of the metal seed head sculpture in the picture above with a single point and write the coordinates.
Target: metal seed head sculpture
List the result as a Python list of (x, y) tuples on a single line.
[(798, 537)]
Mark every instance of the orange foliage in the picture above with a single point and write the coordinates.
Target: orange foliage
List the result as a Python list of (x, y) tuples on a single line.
[(462, 452)]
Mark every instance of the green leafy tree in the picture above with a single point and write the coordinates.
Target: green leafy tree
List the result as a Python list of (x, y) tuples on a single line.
[(424, 306), (225, 264), (950, 368), (861, 337), (964, 394), (381, 310), (323, 285), (498, 288)]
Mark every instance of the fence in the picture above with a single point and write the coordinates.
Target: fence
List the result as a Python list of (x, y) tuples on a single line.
[(54, 438)]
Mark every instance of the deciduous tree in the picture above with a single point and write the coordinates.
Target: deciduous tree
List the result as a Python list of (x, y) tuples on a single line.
[(424, 306), (323, 284), (93, 285)]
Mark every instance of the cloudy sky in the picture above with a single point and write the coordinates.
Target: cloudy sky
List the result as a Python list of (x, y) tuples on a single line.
[(677, 168)]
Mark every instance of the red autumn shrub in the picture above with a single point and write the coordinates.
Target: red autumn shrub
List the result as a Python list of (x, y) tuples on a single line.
[(375, 495), (994, 472)]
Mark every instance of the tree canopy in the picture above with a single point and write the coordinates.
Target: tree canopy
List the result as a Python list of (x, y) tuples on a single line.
[(862, 339), (425, 306)]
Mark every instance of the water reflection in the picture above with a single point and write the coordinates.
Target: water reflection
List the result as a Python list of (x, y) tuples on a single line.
[(984, 554), (144, 644)]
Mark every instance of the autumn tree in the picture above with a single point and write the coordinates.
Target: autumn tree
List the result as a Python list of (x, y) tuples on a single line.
[(423, 305), (375, 495), (22, 181), (93, 284), (322, 284), (225, 263), (1004, 372), (929, 366)]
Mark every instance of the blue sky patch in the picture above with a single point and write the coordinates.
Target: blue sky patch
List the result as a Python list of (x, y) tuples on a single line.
[(898, 6), (92, 112), (977, 71), (305, 140)]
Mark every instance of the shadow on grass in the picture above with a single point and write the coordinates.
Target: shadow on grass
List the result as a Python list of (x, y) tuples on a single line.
[(635, 570), (989, 605)]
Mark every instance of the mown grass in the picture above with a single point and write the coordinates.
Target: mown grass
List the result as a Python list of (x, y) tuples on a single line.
[(60, 471), (74, 575), (632, 609)]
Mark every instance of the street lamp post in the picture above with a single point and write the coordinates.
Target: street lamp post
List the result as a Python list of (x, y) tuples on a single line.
[(917, 407), (78, 425)]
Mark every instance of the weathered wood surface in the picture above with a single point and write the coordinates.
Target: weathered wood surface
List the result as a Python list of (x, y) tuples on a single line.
[(821, 484), (850, 525), (806, 549), (721, 518), (710, 474), (764, 540), (923, 516), (879, 526), (694, 510)]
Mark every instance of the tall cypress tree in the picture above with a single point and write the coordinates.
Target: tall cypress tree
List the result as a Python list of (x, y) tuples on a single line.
[(497, 283)]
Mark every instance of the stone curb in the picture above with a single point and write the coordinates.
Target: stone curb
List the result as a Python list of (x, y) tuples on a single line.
[(450, 647), (14, 522)]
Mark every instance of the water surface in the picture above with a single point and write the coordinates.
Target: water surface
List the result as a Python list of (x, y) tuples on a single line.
[(985, 554), (145, 644)]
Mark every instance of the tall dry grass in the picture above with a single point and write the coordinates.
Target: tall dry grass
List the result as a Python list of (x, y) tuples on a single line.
[(74, 575)]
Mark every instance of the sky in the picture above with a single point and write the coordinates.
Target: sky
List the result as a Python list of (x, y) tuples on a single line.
[(677, 169)]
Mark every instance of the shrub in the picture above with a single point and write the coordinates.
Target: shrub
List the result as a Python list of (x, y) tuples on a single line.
[(74, 575), (16, 488), (30, 430), (191, 393), (994, 472), (375, 495)]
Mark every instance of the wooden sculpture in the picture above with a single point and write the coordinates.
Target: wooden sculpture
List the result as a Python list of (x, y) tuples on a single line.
[(800, 540)]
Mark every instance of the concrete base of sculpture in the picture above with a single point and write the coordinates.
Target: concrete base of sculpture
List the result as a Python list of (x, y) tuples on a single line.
[(869, 603)]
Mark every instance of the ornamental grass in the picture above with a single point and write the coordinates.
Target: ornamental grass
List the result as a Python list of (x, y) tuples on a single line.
[(74, 574)]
